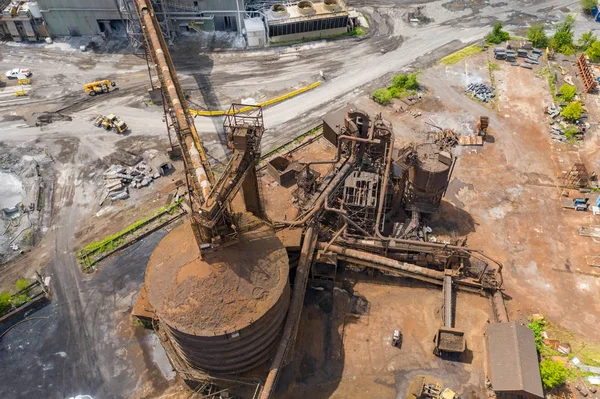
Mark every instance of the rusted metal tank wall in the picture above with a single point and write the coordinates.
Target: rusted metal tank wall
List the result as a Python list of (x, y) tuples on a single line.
[(238, 351)]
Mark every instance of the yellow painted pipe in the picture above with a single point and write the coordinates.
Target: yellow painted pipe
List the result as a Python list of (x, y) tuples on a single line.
[(262, 104)]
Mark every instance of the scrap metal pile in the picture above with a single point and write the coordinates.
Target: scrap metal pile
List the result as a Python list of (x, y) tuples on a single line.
[(118, 179), (481, 91)]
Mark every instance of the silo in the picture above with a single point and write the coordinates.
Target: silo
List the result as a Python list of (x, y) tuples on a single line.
[(427, 178), (224, 310)]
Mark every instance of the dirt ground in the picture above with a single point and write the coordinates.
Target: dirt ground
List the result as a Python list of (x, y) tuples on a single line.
[(277, 200), (344, 342), (505, 198), (510, 188)]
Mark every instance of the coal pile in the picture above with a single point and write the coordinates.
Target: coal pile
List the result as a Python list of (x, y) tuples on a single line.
[(481, 91)]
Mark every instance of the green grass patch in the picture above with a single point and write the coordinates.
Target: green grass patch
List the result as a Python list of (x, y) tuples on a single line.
[(461, 54), (586, 351), (10, 300), (112, 242), (551, 77)]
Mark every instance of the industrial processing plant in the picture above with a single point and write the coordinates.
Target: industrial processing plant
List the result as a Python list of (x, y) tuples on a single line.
[(299, 199)]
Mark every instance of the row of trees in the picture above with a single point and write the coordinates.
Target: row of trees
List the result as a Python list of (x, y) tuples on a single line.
[(562, 40)]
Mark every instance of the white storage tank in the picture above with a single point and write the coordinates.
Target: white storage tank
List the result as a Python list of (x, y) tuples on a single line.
[(34, 8)]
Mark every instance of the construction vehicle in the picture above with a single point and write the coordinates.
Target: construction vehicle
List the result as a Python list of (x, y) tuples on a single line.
[(101, 86), (424, 387), (117, 124), (99, 120), (111, 122)]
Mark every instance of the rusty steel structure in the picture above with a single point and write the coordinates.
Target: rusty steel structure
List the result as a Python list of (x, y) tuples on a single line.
[(217, 285), (370, 212), (589, 80), (211, 219)]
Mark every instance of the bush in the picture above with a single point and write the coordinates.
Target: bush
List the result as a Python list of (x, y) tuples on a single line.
[(537, 36), (399, 81), (537, 326), (594, 51), (5, 303), (22, 284), (567, 92), (562, 41), (497, 35), (412, 82), (570, 131), (382, 96), (395, 92), (586, 40), (588, 5), (400, 85), (406, 82), (573, 111), (554, 374)]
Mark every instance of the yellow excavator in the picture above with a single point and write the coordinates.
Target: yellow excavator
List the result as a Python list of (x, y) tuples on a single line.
[(101, 86)]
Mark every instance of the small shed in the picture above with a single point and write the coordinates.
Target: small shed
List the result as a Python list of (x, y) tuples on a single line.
[(162, 164), (255, 32), (513, 362)]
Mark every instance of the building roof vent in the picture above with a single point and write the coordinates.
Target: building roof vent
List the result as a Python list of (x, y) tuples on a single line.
[(306, 8), (279, 11), (332, 5)]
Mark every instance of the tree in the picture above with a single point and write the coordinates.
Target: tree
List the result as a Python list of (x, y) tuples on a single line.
[(586, 40), (553, 373), (382, 96), (568, 92), (573, 111), (562, 40), (537, 36), (399, 81), (594, 51), (412, 83), (588, 5), (497, 35)]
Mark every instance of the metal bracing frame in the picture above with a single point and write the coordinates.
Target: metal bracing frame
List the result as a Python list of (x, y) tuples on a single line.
[(577, 177), (132, 27), (165, 24)]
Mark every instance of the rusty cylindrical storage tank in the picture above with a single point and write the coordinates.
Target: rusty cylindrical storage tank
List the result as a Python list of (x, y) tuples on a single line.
[(428, 178), (224, 311)]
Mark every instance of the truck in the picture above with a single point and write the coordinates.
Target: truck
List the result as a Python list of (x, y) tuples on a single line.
[(101, 86)]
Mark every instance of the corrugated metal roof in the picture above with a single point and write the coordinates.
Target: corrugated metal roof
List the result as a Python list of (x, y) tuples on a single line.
[(513, 359)]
